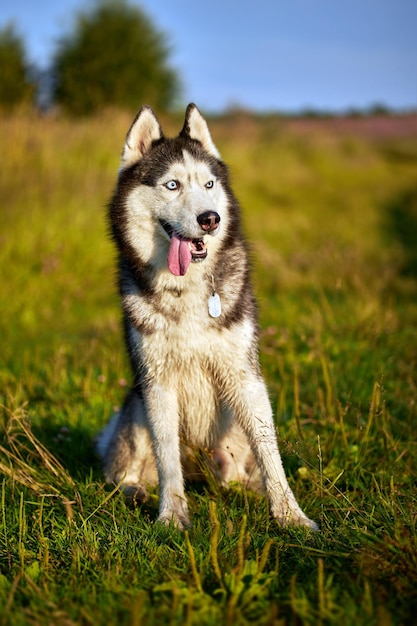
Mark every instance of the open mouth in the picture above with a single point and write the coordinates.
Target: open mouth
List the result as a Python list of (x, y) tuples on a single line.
[(182, 250)]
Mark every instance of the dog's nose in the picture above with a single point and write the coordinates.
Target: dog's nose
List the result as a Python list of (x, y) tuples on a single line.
[(209, 220)]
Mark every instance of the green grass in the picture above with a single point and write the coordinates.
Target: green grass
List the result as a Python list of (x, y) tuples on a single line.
[(333, 224)]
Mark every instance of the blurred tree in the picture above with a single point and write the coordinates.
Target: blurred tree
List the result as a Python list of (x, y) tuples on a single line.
[(16, 88), (113, 57)]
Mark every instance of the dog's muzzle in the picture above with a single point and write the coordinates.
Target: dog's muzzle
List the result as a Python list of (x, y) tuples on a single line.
[(184, 250)]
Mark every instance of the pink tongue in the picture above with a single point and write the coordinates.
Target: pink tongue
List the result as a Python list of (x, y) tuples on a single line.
[(179, 255)]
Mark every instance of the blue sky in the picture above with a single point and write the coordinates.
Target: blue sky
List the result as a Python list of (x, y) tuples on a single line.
[(264, 54)]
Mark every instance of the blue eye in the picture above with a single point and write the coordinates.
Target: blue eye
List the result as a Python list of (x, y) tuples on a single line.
[(210, 184), (172, 185)]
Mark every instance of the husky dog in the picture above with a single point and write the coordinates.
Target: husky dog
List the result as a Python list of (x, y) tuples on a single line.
[(190, 324)]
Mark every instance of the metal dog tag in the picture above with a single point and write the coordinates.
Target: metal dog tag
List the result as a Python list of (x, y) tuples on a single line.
[(214, 305)]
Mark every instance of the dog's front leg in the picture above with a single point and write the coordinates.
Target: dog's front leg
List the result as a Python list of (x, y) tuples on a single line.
[(254, 413), (163, 418)]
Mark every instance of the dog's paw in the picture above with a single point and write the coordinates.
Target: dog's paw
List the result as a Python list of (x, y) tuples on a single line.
[(306, 522), (175, 515), (137, 494), (295, 518)]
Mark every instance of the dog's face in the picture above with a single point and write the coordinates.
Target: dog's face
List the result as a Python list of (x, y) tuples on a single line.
[(175, 202)]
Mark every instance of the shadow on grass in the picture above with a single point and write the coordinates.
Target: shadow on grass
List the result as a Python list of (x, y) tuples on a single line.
[(401, 225), (74, 447)]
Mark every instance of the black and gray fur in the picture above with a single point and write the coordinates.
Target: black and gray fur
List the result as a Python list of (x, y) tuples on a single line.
[(197, 381)]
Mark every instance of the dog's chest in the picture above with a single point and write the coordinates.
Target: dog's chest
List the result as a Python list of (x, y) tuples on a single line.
[(204, 364), (186, 331), (184, 337)]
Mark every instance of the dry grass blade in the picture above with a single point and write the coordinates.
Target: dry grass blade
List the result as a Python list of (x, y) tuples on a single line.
[(28, 462)]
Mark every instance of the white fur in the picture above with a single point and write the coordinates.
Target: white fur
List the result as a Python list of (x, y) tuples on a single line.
[(202, 387)]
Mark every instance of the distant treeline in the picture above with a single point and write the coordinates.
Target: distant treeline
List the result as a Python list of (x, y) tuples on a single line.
[(377, 109)]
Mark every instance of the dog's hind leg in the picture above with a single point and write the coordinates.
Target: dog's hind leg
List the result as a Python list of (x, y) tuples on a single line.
[(234, 460), (125, 448)]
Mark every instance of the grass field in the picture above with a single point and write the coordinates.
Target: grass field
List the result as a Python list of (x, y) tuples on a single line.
[(331, 213)]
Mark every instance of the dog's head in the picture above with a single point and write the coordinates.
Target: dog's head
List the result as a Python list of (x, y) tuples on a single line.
[(174, 190)]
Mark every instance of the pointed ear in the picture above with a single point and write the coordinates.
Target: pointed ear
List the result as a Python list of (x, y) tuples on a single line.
[(195, 127), (144, 130)]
